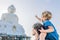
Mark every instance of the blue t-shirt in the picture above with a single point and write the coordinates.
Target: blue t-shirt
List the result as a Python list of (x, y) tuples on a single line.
[(52, 34)]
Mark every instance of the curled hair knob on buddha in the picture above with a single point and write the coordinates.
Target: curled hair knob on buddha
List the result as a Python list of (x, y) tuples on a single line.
[(11, 9)]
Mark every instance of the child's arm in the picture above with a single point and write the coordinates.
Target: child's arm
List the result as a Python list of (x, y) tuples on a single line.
[(38, 18), (50, 29)]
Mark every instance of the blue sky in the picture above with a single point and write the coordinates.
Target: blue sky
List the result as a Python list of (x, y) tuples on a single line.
[(27, 9)]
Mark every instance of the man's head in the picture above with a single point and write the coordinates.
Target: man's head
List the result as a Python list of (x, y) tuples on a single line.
[(37, 26), (11, 9)]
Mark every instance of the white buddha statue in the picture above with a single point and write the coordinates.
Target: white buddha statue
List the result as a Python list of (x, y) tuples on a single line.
[(10, 16), (11, 25)]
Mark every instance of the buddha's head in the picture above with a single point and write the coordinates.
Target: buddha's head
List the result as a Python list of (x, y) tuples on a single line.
[(11, 9)]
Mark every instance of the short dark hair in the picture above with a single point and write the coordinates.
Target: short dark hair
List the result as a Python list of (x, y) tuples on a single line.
[(37, 26)]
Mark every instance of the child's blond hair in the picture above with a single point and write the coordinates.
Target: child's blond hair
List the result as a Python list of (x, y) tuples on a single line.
[(47, 15)]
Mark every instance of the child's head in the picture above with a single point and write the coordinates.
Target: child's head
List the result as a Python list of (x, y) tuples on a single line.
[(46, 15)]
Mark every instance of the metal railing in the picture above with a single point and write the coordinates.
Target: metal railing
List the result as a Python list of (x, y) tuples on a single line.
[(14, 37)]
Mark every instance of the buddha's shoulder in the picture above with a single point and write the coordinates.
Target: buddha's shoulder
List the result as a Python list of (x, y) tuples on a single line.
[(8, 14), (5, 14)]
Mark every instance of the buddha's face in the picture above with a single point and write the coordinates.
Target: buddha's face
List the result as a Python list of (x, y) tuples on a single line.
[(11, 9)]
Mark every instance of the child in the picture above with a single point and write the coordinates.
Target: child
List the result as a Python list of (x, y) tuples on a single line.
[(49, 32)]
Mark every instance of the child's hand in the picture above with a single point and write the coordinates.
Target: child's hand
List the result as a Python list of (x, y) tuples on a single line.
[(38, 18), (42, 30)]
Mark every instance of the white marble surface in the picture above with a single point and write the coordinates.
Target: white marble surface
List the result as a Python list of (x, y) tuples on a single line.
[(9, 17), (7, 28)]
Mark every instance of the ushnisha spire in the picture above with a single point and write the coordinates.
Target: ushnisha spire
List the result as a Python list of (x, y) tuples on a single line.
[(12, 7)]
